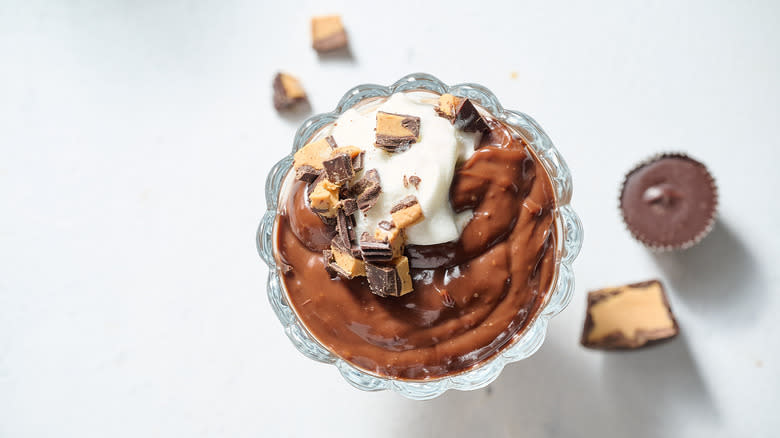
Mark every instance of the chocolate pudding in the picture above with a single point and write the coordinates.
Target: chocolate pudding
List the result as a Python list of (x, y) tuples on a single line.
[(469, 296)]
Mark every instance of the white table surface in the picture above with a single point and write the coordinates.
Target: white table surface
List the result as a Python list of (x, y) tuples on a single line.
[(135, 138)]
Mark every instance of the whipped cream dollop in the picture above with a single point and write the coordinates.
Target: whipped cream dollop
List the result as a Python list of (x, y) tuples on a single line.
[(433, 159)]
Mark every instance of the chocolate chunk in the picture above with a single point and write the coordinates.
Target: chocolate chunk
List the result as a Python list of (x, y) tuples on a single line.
[(343, 264), (407, 212), (396, 132), (287, 91), (389, 279), (462, 113), (345, 231), (327, 33), (374, 250), (339, 169), (306, 173), (357, 162), (366, 190), (468, 119), (415, 181), (628, 317), (394, 236), (348, 206)]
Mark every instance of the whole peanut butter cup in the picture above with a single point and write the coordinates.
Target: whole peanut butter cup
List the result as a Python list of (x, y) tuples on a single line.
[(669, 202)]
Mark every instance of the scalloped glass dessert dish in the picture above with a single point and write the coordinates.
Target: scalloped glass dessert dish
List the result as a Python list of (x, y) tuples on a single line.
[(567, 240)]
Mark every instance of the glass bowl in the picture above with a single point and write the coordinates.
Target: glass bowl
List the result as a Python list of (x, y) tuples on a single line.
[(524, 343)]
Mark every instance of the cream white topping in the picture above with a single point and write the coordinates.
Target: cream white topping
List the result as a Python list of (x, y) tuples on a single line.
[(433, 159)]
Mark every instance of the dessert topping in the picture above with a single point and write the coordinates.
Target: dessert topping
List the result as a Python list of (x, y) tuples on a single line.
[(327, 33), (314, 153), (394, 236), (628, 317), (343, 264), (462, 113), (287, 91), (339, 169), (391, 279), (367, 190), (407, 212), (324, 197), (375, 250), (396, 132)]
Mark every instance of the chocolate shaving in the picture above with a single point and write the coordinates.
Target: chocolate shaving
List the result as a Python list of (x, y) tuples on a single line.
[(407, 202), (415, 181), (386, 225), (374, 250), (339, 169)]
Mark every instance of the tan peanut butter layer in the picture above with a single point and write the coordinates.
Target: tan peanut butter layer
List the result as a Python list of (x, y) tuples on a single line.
[(324, 198), (407, 212), (347, 265), (314, 153), (396, 132), (628, 316), (394, 236), (327, 33)]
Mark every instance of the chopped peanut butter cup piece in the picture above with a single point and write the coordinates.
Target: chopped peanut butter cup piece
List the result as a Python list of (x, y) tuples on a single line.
[(345, 234), (366, 190), (394, 236), (396, 132), (448, 105), (312, 155), (343, 264), (327, 33), (348, 206), (352, 151), (462, 113), (407, 212), (287, 91), (389, 279), (628, 317), (374, 250), (324, 197), (339, 169)]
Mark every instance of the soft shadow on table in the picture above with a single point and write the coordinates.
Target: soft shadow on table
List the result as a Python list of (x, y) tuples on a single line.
[(343, 54), (719, 277), (296, 114), (549, 395)]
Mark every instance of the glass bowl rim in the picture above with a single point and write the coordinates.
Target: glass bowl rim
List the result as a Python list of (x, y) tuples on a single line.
[(524, 343)]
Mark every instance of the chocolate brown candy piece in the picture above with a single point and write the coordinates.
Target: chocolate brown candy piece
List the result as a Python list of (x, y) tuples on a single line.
[(345, 233), (348, 206), (374, 250), (339, 169), (389, 279), (343, 263), (628, 317), (306, 173), (314, 153), (462, 113), (366, 190), (357, 162), (407, 212), (415, 181), (287, 91), (394, 236), (327, 33), (396, 132)]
